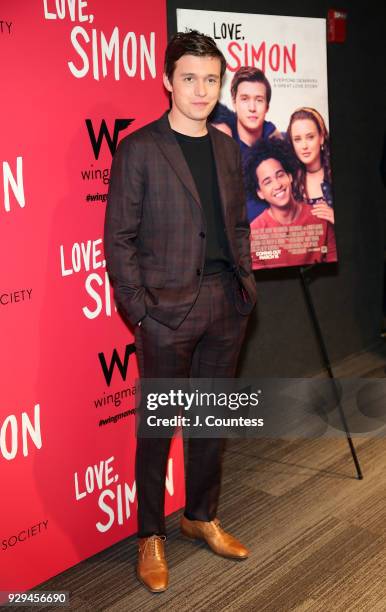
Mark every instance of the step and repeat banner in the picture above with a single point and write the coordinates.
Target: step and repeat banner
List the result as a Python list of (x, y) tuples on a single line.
[(274, 103), (76, 77)]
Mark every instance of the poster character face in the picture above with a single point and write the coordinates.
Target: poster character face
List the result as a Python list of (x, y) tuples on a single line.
[(307, 141), (250, 105), (274, 183), (195, 86)]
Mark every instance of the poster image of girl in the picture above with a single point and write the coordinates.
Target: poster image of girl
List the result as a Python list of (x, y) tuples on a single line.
[(309, 139)]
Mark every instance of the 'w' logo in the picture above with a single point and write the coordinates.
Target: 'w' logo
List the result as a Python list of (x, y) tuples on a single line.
[(96, 141), (108, 370)]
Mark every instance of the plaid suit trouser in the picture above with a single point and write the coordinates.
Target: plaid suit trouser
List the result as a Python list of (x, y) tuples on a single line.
[(205, 345)]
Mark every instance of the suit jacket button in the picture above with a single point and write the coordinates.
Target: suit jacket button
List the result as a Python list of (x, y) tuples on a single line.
[(202, 234), (198, 271)]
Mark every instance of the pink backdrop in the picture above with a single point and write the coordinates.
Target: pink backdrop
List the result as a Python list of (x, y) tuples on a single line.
[(66, 439)]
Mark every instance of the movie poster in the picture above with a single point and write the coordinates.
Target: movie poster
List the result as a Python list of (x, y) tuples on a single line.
[(274, 103)]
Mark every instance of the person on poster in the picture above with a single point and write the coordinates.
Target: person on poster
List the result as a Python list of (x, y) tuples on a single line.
[(309, 139), (178, 252), (251, 94), (287, 233)]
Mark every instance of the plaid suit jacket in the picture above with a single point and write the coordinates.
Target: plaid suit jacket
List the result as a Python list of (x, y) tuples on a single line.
[(155, 227)]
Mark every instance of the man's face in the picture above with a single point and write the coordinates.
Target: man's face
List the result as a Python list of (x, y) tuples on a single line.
[(274, 183), (250, 105), (195, 86)]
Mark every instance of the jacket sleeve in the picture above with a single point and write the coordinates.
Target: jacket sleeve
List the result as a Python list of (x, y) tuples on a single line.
[(242, 228), (243, 237), (122, 222)]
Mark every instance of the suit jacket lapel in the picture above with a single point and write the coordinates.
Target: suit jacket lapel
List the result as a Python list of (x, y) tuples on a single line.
[(167, 142)]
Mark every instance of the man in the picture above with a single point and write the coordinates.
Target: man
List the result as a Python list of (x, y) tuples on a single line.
[(288, 233), (251, 95), (178, 252)]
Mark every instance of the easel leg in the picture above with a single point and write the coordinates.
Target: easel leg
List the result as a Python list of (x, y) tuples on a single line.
[(323, 349)]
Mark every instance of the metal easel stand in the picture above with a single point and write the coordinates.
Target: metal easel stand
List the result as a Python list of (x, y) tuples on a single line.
[(305, 281)]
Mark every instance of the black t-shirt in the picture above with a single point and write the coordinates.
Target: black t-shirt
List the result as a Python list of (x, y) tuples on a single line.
[(198, 153)]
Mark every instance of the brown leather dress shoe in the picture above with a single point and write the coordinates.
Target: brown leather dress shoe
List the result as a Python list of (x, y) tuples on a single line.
[(152, 569), (218, 540)]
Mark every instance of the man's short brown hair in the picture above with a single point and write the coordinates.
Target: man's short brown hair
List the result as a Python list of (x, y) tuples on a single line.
[(191, 43)]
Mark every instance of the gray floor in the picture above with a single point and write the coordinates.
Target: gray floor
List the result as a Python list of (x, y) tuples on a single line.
[(317, 534)]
